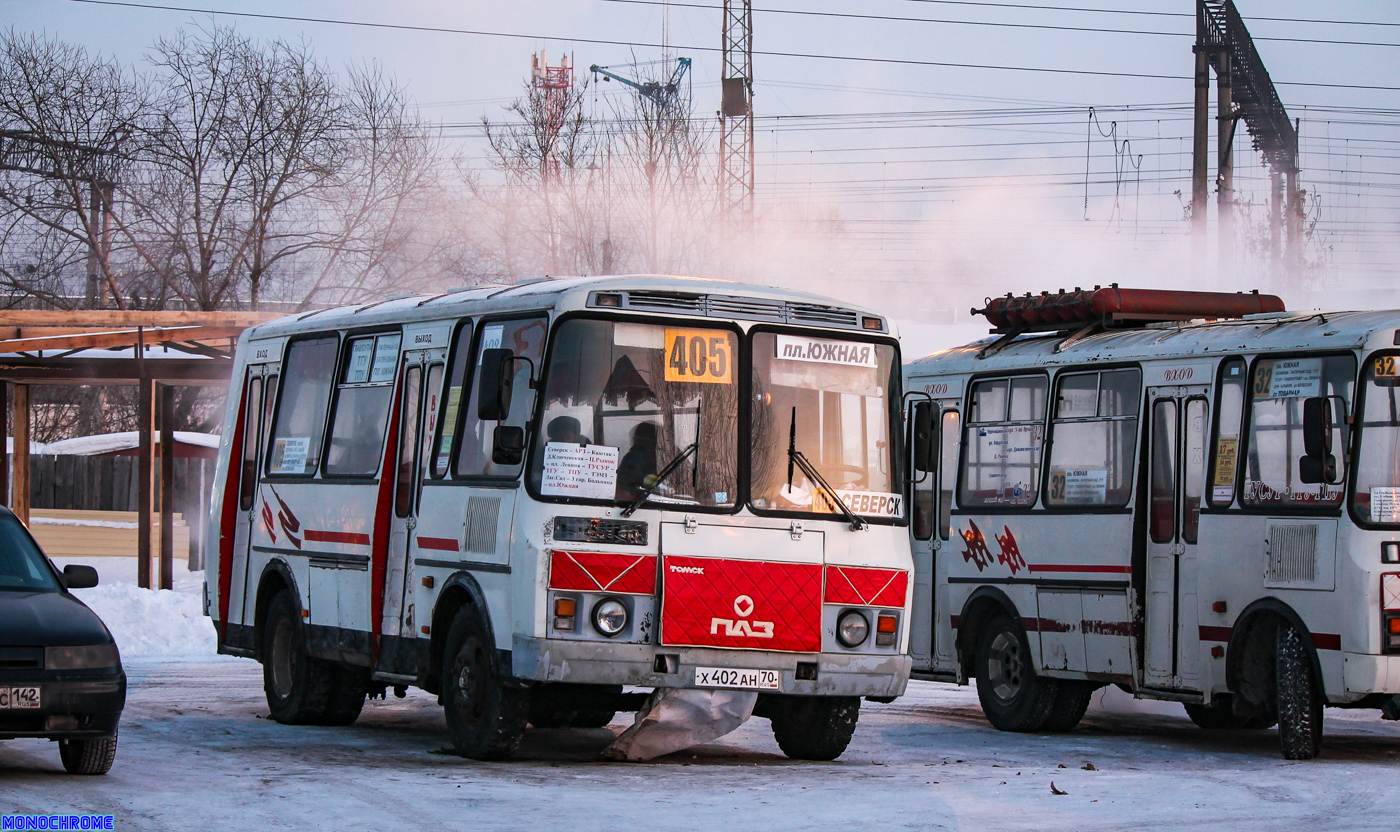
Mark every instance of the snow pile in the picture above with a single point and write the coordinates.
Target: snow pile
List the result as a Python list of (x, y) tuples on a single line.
[(148, 623)]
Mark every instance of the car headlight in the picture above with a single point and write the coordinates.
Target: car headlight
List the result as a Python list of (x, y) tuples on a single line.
[(852, 628), (610, 617), (87, 657)]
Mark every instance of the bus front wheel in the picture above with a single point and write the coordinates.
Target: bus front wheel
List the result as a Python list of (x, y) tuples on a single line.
[(486, 718), (814, 727), (1299, 697), (1013, 697)]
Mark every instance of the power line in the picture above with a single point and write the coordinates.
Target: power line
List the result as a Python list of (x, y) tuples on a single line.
[(992, 23), (1041, 7), (710, 49)]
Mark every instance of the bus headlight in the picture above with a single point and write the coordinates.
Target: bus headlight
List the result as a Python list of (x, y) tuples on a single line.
[(610, 617), (852, 629)]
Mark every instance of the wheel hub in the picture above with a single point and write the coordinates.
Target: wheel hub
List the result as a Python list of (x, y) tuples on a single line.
[(1006, 666)]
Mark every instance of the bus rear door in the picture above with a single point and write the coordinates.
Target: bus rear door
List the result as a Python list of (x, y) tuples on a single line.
[(1178, 419)]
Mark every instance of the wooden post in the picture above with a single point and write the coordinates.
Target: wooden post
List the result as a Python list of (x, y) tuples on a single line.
[(144, 425), (19, 490), (167, 486)]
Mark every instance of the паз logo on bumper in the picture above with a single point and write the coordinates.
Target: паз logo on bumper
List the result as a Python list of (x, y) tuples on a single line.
[(743, 608)]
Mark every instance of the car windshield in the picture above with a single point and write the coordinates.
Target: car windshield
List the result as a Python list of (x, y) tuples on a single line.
[(624, 400), (828, 399), (22, 565)]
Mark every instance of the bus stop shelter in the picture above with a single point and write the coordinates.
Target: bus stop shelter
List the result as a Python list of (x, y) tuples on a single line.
[(154, 351)]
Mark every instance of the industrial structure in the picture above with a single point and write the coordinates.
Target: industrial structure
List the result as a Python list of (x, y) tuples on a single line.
[(736, 147)]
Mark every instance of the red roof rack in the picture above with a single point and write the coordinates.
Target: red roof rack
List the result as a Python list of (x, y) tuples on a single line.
[(1085, 311)]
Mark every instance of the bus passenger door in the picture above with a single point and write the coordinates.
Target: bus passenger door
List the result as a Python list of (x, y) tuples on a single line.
[(420, 387), (260, 393), (1178, 421), (934, 471)]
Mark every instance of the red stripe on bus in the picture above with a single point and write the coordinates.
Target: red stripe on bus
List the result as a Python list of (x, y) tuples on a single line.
[(228, 519), (1079, 567), (383, 511), (441, 544), (357, 538), (1327, 641), (1214, 633)]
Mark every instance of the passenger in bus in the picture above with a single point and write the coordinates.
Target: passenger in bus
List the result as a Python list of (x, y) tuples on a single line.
[(638, 464), (566, 429)]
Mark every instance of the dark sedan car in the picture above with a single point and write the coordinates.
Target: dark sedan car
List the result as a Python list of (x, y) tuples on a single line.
[(60, 675)]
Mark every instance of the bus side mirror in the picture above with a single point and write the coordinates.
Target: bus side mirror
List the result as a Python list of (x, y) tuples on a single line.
[(923, 437), (495, 385), (1319, 465), (1317, 426), (507, 445)]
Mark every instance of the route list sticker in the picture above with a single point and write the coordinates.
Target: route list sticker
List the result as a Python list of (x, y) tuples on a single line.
[(1385, 505), (585, 471)]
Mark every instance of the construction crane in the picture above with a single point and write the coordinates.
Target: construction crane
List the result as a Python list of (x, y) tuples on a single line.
[(667, 95)]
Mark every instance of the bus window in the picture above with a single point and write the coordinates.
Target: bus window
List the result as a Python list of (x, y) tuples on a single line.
[(362, 406), (452, 410), (307, 373), (1005, 433), (408, 442), (1377, 494), (1193, 475), (626, 399), (1276, 427), (252, 429), (525, 337), (1095, 433), (947, 472), (1230, 407), (1161, 521)]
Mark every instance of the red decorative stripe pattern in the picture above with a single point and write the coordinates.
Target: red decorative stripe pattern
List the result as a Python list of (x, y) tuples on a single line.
[(355, 538), (602, 572), (747, 604), (439, 544), (858, 586)]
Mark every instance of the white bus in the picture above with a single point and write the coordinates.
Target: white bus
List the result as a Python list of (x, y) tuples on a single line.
[(524, 498), (1161, 491)]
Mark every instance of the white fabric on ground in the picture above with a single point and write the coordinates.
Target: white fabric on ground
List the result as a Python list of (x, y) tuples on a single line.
[(673, 719)]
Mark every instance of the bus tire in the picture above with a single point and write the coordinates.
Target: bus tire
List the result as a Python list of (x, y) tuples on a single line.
[(1070, 702), (346, 698), (1013, 697), (88, 756), (298, 685), (1299, 697), (814, 727), (485, 718)]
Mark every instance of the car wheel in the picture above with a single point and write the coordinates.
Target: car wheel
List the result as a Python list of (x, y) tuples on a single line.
[(1013, 697), (298, 686), (1299, 697), (814, 727), (486, 717), (88, 756)]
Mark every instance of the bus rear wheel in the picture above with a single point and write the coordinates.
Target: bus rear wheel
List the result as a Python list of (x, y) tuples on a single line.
[(1299, 697), (814, 727), (486, 718), (1013, 697), (1071, 701), (298, 686)]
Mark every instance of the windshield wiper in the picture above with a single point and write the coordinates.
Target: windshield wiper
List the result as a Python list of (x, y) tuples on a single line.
[(796, 456), (692, 448)]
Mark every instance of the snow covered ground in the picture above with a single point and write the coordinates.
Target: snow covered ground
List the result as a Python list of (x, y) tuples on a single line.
[(198, 753)]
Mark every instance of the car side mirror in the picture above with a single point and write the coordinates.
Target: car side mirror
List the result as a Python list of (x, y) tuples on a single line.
[(923, 437), (78, 576), (495, 385), (508, 445), (1317, 426)]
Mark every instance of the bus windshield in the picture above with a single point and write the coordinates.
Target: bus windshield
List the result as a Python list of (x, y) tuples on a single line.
[(625, 400), (828, 399), (1377, 495)]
